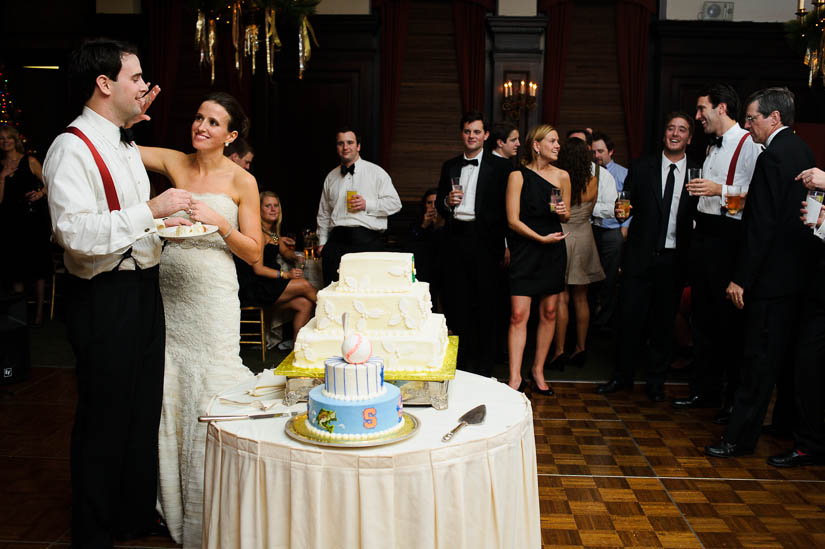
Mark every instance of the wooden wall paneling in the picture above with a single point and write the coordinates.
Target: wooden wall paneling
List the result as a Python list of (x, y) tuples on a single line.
[(749, 56), (591, 97), (426, 131)]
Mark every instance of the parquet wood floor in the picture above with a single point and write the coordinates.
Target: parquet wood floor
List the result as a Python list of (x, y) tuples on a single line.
[(616, 471), (621, 471)]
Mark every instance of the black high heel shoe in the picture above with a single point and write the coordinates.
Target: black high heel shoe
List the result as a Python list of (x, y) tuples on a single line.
[(578, 359), (525, 383), (546, 392), (557, 363)]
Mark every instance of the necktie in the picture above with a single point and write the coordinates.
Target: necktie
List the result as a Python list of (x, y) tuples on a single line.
[(667, 198), (465, 162), (127, 135), (715, 140), (345, 170)]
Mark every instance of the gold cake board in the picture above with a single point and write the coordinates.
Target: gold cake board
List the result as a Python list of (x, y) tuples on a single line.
[(418, 388)]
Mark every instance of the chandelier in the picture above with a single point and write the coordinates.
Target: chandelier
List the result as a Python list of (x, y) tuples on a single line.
[(248, 18), (807, 33)]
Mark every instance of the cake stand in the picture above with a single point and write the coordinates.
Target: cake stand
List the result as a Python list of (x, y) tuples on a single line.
[(418, 388)]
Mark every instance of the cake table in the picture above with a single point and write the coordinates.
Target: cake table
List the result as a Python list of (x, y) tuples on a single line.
[(480, 490)]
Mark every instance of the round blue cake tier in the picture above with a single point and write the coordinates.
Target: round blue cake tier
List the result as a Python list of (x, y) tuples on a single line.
[(337, 419)]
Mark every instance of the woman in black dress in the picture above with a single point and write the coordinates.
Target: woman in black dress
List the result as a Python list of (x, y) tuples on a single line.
[(264, 284), (426, 236), (25, 218), (537, 253)]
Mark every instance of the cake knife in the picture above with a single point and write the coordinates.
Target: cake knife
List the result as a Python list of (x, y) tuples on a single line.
[(473, 417), (247, 416)]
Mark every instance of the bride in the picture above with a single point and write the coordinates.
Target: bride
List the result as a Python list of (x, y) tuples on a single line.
[(200, 297)]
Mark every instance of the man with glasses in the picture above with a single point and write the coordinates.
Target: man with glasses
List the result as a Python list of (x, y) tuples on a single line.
[(771, 269)]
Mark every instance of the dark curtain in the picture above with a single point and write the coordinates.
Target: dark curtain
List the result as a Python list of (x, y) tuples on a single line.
[(470, 23), (559, 19), (632, 33), (393, 45), (164, 19)]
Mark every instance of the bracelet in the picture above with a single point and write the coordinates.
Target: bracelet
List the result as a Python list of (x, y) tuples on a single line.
[(229, 232)]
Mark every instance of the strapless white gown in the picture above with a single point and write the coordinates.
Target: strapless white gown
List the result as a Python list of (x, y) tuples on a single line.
[(200, 296)]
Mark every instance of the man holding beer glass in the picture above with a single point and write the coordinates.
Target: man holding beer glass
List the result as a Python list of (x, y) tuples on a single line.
[(357, 199), (727, 172), (770, 272)]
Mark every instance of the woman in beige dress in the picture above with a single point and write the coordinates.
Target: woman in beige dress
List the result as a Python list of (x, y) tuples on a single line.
[(583, 265)]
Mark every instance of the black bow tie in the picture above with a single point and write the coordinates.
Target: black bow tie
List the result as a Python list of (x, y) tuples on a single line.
[(127, 135), (715, 140), (465, 162), (345, 170)]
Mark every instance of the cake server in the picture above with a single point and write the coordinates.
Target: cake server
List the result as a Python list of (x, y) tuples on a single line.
[(247, 416), (473, 417)]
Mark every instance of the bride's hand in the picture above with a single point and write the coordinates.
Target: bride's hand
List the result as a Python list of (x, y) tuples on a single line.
[(203, 213), (175, 221), (146, 101)]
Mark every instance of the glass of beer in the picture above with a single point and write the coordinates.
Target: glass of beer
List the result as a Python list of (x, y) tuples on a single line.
[(350, 195), (735, 199), (694, 173), (555, 198), (623, 206), (300, 260)]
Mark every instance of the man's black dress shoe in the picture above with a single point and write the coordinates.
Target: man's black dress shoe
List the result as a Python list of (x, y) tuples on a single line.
[(656, 392), (156, 528), (614, 385), (722, 417), (694, 401), (777, 431), (795, 459), (725, 449)]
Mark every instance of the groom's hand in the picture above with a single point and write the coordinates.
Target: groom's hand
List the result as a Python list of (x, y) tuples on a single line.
[(146, 102), (169, 202)]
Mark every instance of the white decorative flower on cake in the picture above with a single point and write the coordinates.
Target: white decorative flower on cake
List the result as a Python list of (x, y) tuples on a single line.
[(395, 320), (351, 282), (399, 272)]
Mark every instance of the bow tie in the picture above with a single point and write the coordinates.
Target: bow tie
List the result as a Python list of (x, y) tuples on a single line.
[(465, 162), (350, 170), (127, 135), (715, 140)]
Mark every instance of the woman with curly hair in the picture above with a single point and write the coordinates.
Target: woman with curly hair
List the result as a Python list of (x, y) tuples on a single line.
[(537, 253), (583, 265)]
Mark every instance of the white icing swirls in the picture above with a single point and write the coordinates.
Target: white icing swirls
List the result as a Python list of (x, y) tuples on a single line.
[(324, 435)]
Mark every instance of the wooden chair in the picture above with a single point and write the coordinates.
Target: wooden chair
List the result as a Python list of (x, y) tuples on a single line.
[(254, 315)]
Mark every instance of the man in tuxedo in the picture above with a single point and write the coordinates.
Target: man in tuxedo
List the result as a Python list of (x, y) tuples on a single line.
[(771, 269), (240, 152), (356, 201), (471, 193), (731, 159), (655, 259), (505, 140)]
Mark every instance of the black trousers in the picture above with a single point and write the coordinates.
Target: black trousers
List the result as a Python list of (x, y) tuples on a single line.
[(610, 243), (716, 324), (116, 326), (648, 306), (347, 240), (470, 281), (809, 431), (770, 340)]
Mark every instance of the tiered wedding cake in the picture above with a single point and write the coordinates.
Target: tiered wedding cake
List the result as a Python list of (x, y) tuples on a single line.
[(354, 403), (384, 302)]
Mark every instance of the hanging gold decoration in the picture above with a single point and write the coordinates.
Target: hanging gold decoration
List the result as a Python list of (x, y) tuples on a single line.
[(201, 38), (272, 39), (304, 47), (212, 39), (236, 36), (251, 44)]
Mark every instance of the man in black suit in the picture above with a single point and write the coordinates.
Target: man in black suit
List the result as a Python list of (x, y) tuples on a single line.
[(655, 259), (771, 269), (471, 198), (809, 375)]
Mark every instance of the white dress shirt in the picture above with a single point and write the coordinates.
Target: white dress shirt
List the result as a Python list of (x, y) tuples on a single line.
[(717, 164), (605, 207), (679, 175), (95, 239), (466, 210), (375, 187)]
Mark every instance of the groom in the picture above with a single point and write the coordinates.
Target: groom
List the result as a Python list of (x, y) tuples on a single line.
[(103, 218)]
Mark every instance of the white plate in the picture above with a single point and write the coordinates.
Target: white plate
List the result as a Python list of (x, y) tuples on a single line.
[(171, 232)]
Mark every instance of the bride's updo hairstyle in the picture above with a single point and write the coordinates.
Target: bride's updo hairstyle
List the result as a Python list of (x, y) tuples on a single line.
[(238, 121)]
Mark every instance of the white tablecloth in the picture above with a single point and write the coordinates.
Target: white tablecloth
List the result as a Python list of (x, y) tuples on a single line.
[(480, 490)]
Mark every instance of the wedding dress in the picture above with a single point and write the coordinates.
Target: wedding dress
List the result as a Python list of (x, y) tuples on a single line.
[(200, 298)]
